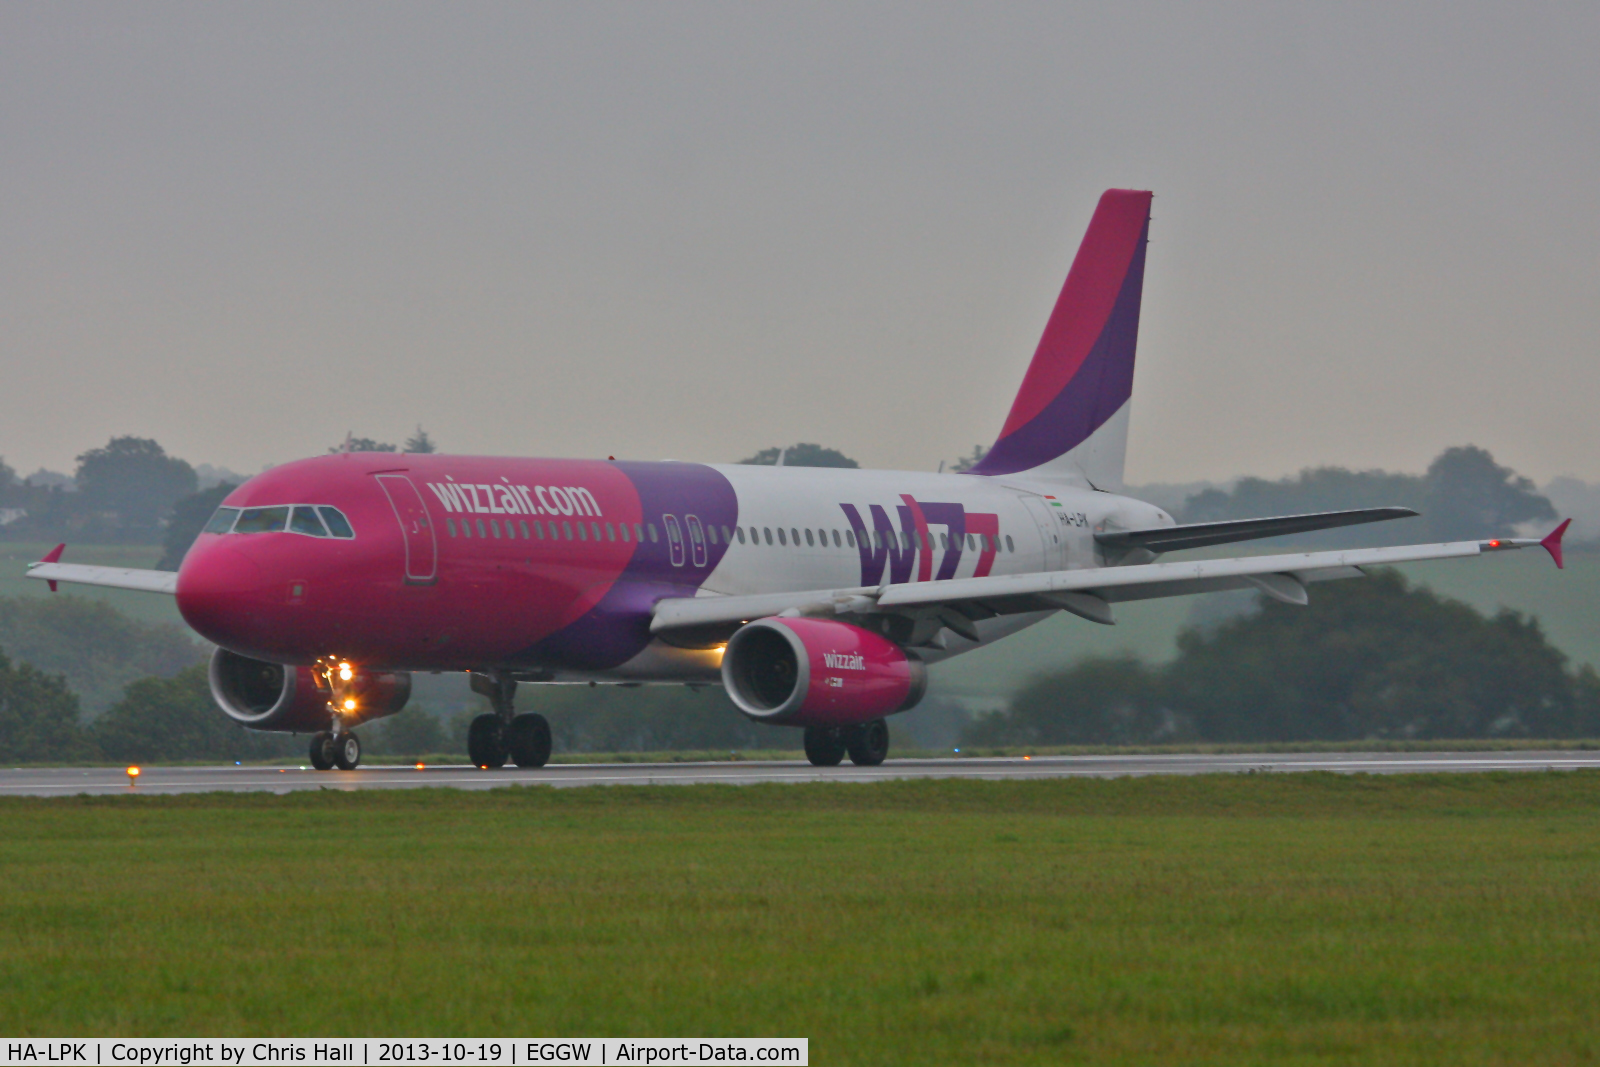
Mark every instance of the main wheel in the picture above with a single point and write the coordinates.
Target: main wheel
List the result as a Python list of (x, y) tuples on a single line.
[(528, 740), (347, 752), (322, 751), (868, 743), (486, 743), (824, 746)]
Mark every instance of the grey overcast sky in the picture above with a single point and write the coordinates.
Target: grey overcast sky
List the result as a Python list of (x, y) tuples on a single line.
[(692, 231)]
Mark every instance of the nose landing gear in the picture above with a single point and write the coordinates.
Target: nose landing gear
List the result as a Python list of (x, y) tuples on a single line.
[(338, 746), (503, 734)]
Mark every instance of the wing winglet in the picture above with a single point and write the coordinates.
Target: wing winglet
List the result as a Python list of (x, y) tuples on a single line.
[(1552, 542), (53, 556)]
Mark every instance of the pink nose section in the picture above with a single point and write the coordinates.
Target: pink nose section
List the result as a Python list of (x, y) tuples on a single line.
[(220, 594)]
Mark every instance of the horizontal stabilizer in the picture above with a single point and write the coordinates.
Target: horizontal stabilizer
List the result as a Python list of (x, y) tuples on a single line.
[(1204, 534)]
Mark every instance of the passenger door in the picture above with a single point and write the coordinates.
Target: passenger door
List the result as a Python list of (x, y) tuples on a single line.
[(422, 551)]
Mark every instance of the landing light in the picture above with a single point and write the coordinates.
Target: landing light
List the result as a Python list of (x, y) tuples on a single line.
[(133, 775), (419, 766), (346, 672), (349, 705)]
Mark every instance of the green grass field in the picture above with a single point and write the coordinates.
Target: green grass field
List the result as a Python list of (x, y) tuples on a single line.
[(1218, 919)]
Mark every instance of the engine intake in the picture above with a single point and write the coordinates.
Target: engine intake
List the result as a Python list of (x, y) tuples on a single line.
[(273, 696), (818, 672)]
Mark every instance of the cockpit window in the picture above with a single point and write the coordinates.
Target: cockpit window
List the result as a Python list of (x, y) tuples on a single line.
[(336, 522), (305, 521), (222, 521), (262, 520)]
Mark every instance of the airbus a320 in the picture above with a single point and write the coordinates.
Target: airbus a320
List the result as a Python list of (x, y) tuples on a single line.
[(817, 597)]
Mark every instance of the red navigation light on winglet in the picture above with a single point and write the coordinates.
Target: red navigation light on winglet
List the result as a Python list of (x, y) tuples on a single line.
[(1552, 542)]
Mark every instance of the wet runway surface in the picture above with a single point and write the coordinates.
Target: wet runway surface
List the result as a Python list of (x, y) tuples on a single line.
[(63, 781)]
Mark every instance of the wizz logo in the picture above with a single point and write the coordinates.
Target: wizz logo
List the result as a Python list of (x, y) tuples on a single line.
[(897, 549), (844, 661)]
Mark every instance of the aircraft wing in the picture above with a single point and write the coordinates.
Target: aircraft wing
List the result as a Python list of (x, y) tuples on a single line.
[(1089, 592), (51, 570)]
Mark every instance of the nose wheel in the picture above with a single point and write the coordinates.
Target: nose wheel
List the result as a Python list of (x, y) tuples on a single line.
[(503, 734)]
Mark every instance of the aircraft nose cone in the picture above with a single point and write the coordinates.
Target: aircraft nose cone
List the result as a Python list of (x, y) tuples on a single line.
[(220, 593)]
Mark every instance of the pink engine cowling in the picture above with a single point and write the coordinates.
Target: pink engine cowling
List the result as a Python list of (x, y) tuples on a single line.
[(272, 696), (818, 672)]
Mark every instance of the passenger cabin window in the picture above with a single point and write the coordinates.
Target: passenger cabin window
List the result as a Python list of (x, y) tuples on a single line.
[(222, 521), (262, 520), (305, 521)]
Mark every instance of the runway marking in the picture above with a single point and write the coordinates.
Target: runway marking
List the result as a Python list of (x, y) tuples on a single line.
[(58, 781)]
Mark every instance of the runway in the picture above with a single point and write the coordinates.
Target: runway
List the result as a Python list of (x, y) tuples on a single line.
[(63, 781)]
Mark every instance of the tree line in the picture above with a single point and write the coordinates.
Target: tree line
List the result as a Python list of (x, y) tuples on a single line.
[(131, 492), (1373, 658), (1463, 494), (175, 719)]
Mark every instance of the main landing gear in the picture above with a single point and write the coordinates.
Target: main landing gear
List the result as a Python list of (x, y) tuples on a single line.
[(328, 751), (338, 746), (867, 744), (503, 734)]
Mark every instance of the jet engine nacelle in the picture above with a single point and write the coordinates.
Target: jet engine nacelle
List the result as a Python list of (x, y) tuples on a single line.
[(818, 672), (272, 696)]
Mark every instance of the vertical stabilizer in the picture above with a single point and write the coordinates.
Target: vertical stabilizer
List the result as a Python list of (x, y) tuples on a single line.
[(1070, 418)]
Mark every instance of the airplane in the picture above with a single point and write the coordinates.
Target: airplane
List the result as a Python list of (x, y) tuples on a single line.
[(818, 597)]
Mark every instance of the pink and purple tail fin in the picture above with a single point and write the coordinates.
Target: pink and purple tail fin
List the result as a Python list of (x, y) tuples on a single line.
[(1070, 418)]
